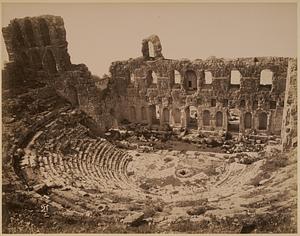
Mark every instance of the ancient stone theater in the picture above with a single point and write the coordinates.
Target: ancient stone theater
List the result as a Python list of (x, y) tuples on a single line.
[(158, 145)]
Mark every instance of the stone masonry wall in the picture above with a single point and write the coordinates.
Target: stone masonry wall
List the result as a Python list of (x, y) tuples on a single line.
[(199, 94), (289, 123), (37, 50), (151, 86)]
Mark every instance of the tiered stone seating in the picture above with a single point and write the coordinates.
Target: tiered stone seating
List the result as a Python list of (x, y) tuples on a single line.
[(91, 163)]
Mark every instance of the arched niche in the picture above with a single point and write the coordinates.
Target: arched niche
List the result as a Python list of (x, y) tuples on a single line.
[(219, 119), (166, 115), (206, 118), (192, 116), (262, 121), (177, 116), (248, 120), (191, 80)]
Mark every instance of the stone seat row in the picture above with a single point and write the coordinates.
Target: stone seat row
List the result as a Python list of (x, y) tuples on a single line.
[(91, 161)]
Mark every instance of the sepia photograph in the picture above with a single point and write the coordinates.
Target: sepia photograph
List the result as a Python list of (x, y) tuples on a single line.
[(165, 118)]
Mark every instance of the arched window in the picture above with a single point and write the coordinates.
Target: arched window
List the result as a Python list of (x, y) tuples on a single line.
[(206, 118), (262, 121), (248, 120), (219, 119), (177, 116), (29, 33), (151, 78), (151, 49), (44, 31), (208, 77), (132, 113), (144, 113), (49, 62), (166, 115), (177, 77), (266, 77), (191, 80), (235, 77)]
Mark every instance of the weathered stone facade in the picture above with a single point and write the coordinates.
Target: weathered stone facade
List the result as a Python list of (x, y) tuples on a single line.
[(210, 95), (178, 87)]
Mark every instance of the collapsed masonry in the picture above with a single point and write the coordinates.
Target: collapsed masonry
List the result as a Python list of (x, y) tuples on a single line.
[(244, 95)]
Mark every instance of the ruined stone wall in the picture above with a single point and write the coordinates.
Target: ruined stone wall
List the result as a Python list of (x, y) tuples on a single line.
[(151, 89), (153, 82), (37, 50), (38, 43), (289, 123)]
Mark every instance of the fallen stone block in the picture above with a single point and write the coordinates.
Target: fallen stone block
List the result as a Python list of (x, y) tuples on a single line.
[(134, 219)]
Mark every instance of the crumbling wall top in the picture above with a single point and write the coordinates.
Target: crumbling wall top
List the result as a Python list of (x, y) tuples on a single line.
[(151, 47)]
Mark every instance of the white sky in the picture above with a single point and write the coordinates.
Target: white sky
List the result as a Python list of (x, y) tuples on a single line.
[(101, 33)]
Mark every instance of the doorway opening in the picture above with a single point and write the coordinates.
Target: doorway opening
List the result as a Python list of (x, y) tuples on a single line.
[(234, 120)]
